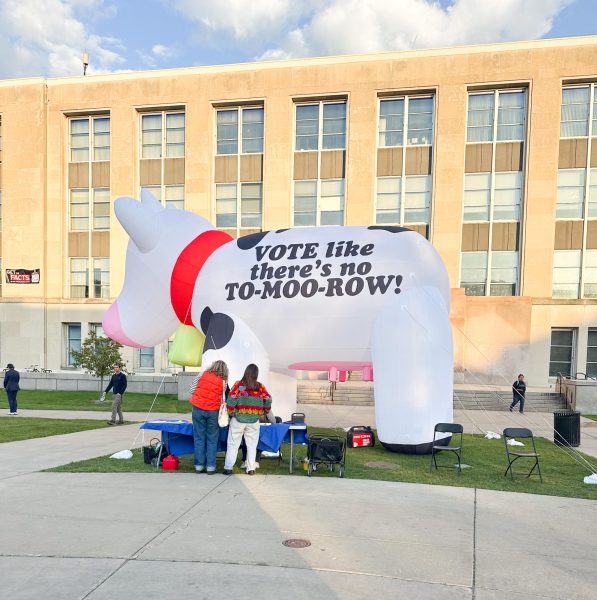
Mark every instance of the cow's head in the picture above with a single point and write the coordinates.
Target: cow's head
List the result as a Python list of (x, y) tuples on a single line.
[(142, 314)]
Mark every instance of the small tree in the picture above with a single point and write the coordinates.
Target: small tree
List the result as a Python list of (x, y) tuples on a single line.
[(98, 355)]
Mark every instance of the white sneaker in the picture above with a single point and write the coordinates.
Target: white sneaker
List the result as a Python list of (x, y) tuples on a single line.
[(243, 465), (256, 465)]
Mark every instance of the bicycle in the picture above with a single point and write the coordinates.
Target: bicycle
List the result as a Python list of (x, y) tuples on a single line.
[(32, 369)]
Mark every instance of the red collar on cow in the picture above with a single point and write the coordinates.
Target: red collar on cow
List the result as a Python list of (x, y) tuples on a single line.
[(186, 270)]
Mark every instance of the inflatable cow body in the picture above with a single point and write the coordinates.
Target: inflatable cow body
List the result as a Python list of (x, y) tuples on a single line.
[(304, 298)]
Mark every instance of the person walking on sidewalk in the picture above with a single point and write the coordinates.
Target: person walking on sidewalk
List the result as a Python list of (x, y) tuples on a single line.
[(11, 385), (247, 400), (118, 386), (206, 401), (519, 388)]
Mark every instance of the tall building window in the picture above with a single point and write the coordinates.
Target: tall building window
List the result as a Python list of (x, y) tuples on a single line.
[(146, 358), (90, 139), (239, 169), (79, 278), (97, 329), (88, 197), (592, 352), (101, 208), (72, 341), (574, 261), (319, 162), (493, 199), (244, 124), (404, 161), (562, 356), (79, 210), (101, 278), (163, 135), (162, 160)]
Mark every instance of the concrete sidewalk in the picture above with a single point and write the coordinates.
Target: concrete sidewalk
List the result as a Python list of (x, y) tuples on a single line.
[(177, 535), (126, 536)]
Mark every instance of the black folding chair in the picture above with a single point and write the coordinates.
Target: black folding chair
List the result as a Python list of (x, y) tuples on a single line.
[(513, 455), (443, 446)]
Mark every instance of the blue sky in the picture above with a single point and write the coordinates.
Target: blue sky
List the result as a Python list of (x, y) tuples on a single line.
[(47, 37)]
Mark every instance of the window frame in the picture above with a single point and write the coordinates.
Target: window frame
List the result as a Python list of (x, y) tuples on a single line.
[(67, 348), (318, 201), (164, 132), (573, 350), (406, 98), (321, 104), (91, 147), (240, 140), (239, 227), (493, 175), (497, 92), (590, 176)]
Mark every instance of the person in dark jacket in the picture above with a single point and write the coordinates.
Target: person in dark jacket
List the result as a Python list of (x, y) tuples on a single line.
[(519, 388), (118, 386), (11, 385)]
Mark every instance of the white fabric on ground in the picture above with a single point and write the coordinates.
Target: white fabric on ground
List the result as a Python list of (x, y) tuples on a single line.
[(514, 443), (591, 478), (123, 454), (492, 435)]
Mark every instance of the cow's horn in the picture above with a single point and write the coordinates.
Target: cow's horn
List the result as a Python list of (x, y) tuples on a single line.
[(139, 221), (149, 200)]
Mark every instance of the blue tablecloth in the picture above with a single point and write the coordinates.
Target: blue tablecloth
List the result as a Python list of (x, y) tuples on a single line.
[(178, 436)]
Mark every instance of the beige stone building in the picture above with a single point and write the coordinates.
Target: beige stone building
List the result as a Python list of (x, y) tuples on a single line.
[(489, 151)]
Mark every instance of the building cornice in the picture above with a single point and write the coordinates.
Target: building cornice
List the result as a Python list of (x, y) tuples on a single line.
[(542, 44)]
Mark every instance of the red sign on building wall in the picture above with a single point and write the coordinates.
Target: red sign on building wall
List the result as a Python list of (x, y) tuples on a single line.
[(22, 275)]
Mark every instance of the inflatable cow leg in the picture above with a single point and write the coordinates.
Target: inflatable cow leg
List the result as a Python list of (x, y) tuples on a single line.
[(412, 355), (230, 339), (283, 389)]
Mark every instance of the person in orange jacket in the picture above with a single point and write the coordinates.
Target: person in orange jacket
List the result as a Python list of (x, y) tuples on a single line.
[(206, 400)]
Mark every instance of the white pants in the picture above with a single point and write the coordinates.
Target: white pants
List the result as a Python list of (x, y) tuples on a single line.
[(235, 436)]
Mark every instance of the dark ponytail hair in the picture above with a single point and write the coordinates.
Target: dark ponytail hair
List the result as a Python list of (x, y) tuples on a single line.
[(249, 379)]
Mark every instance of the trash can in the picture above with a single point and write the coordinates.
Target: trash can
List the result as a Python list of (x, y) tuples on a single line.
[(566, 428)]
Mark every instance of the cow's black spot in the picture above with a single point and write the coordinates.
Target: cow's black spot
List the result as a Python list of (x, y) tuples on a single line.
[(281, 230), (390, 228), (219, 332), (250, 241), (205, 318)]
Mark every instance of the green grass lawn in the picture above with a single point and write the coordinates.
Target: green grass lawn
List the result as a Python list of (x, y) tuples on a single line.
[(132, 402), (13, 429), (594, 417), (562, 476)]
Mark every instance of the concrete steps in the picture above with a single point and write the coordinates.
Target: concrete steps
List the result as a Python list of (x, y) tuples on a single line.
[(359, 393)]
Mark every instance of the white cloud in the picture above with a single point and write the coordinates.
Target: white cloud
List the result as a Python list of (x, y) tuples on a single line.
[(286, 28), (352, 26), (162, 51), (48, 38), (244, 20)]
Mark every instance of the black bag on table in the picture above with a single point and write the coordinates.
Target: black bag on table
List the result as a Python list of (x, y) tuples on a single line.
[(360, 436)]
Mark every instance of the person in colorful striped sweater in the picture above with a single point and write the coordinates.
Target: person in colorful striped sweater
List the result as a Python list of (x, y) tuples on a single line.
[(247, 401)]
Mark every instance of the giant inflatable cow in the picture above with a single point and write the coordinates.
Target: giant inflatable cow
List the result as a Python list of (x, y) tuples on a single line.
[(297, 299)]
